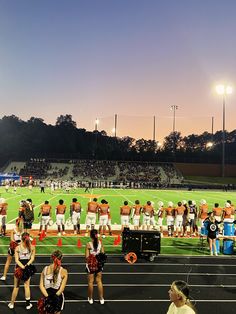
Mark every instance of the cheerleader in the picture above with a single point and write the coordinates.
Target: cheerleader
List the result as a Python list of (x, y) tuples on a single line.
[(179, 296), (94, 265), (15, 240), (52, 285), (24, 257)]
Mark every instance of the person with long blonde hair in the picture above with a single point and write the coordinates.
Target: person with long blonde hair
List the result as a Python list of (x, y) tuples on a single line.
[(52, 284), (24, 257), (179, 297)]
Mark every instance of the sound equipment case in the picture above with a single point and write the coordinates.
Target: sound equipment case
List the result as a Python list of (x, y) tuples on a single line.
[(142, 242)]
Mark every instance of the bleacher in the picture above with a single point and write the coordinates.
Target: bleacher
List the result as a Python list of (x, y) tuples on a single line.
[(142, 173)]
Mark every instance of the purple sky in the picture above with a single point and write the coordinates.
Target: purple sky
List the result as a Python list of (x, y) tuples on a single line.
[(135, 58)]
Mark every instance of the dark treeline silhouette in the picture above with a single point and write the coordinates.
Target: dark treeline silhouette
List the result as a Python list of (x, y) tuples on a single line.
[(21, 140)]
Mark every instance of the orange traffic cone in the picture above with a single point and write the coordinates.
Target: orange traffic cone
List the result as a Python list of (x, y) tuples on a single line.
[(115, 242), (41, 237), (59, 242), (79, 244), (34, 242)]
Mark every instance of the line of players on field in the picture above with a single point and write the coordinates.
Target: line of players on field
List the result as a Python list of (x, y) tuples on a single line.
[(178, 218)]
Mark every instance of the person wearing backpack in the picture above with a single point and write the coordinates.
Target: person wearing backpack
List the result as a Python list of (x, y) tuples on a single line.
[(95, 259), (28, 214)]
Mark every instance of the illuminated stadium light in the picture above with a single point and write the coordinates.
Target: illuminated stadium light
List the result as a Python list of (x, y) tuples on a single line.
[(209, 145), (96, 124), (223, 90)]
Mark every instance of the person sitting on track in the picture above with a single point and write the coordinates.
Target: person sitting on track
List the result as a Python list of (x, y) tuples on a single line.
[(94, 267), (15, 240), (24, 257), (53, 281), (179, 297)]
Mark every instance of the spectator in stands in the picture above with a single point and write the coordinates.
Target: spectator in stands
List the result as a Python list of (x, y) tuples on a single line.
[(179, 297), (60, 217), (125, 212)]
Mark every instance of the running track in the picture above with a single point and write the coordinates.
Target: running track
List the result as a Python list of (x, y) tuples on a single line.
[(140, 288)]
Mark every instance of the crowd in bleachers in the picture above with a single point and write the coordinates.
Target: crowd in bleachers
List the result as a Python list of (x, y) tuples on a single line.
[(94, 169), (100, 172)]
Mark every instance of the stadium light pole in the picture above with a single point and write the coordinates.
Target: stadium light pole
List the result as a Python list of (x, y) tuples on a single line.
[(223, 90), (174, 108), (96, 124)]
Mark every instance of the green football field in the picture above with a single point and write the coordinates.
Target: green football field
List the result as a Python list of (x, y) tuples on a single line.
[(115, 197)]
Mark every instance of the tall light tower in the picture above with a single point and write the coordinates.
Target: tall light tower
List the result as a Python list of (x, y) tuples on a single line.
[(174, 108), (96, 124), (223, 90)]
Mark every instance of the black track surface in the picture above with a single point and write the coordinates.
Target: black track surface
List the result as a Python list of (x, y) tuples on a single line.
[(137, 289)]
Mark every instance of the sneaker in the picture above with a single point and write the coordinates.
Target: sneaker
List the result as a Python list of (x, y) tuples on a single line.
[(90, 301), (28, 307), (75, 232), (103, 236), (59, 234), (3, 278), (216, 254), (211, 253), (86, 234), (11, 305), (102, 301), (63, 233)]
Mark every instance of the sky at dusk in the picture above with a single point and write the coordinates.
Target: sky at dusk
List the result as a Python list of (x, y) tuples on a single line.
[(97, 58)]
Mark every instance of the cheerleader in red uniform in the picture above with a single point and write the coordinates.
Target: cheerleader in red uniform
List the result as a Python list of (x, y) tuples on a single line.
[(95, 259), (24, 257), (52, 285), (15, 240)]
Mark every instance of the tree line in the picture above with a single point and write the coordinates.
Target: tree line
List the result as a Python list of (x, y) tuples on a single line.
[(21, 140)]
